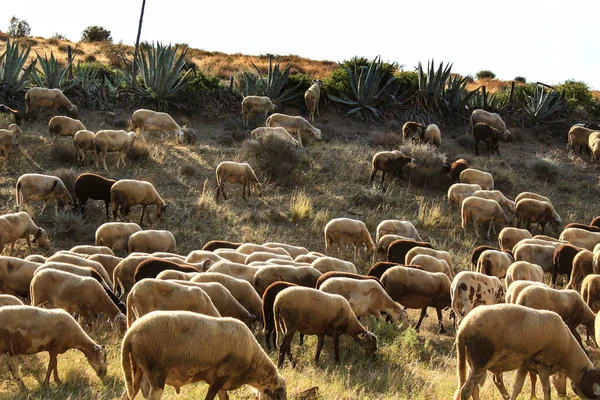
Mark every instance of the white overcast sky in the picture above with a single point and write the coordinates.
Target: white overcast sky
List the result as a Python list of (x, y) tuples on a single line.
[(548, 41)]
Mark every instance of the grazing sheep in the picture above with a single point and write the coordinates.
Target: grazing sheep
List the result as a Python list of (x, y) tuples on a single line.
[(201, 255), (151, 241), (509, 237), (489, 135), (590, 293), (477, 251), (313, 312), (498, 196), (108, 262), (580, 237), (242, 290), (376, 270), (239, 271), (294, 125), (539, 254), (115, 235), (346, 231), (515, 288), (579, 135), (262, 256), (256, 104), (562, 261), (312, 97), (432, 264), (36, 187), (536, 211), (172, 275), (492, 119), (541, 242), (472, 289), (64, 126), (15, 113), (16, 275), (328, 264), (595, 149), (130, 192), (582, 226), (30, 330), (233, 172), (249, 248), (231, 255), (301, 276), (494, 263), (583, 265), (276, 131), (438, 254), (81, 262), (123, 275), (398, 249), (455, 168), (95, 187), (384, 243), (145, 122), (8, 139), (237, 360), (20, 226), (153, 294), (481, 210), (475, 176), (268, 319), (433, 135), (293, 251), (107, 141), (91, 250), (397, 227), (389, 161), (307, 258), (151, 267), (43, 98), (504, 337), (458, 192), (413, 131), (532, 195), (83, 141), (51, 288), (524, 271), (220, 244), (338, 274), (10, 300), (418, 289)]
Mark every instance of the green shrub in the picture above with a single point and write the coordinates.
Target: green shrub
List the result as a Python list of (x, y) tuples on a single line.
[(18, 27), (274, 155), (57, 36), (96, 34), (102, 70), (577, 95), (198, 84), (338, 82), (408, 81), (485, 73), (520, 79), (545, 168)]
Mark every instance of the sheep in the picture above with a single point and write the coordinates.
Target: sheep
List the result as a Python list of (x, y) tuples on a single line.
[(8, 139), (293, 251), (582, 226), (91, 250), (108, 262), (509, 237), (481, 210), (489, 135), (306, 258), (9, 300), (349, 275), (438, 254), (171, 275), (231, 255), (578, 135), (595, 222), (346, 231), (95, 187), (20, 226), (389, 161), (548, 239), (475, 176), (36, 187), (397, 227), (413, 131), (312, 97), (432, 135), (81, 262), (30, 330), (249, 248), (263, 256), (107, 141), (201, 255), (458, 192), (592, 138), (313, 312), (432, 264), (540, 242), (240, 271), (53, 288), (376, 270), (144, 121), (151, 241), (123, 275), (61, 125), (151, 267), (524, 271), (414, 288), (536, 211), (455, 168), (220, 244), (541, 255), (384, 243), (580, 237), (256, 104), (278, 131), (15, 113), (16, 275), (583, 265), (398, 249), (590, 293), (366, 297), (595, 149), (477, 251), (504, 337), (154, 294), (566, 303), (492, 119), (494, 263), (532, 195), (233, 172), (516, 287), (472, 289), (275, 261), (115, 235), (83, 140), (328, 264), (294, 125), (130, 192), (238, 359), (562, 260), (242, 290), (268, 319), (43, 98), (498, 196), (38, 258), (301, 276)]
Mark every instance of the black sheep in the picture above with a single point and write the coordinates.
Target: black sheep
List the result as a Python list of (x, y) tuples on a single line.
[(95, 187)]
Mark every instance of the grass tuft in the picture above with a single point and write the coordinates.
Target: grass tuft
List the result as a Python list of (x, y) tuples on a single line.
[(301, 207), (274, 155), (545, 168), (63, 153), (139, 152)]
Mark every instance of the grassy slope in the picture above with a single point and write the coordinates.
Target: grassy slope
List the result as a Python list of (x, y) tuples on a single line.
[(335, 179)]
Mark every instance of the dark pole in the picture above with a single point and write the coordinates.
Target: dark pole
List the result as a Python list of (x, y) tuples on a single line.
[(137, 42)]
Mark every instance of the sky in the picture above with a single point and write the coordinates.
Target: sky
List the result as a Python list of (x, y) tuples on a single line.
[(546, 41)]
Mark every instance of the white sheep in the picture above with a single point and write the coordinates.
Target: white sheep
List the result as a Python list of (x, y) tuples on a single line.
[(8, 138), (124, 272), (115, 235), (494, 263), (242, 290), (346, 231), (83, 141), (61, 125), (458, 192), (240, 271), (276, 131), (228, 356), (201, 255), (91, 250), (498, 196), (233, 172), (433, 135), (256, 104), (580, 237), (20, 226), (540, 254), (472, 289), (231, 255), (144, 121), (249, 248), (432, 264), (263, 256), (475, 176), (524, 271), (578, 135), (481, 210), (397, 227), (312, 97), (36, 187), (130, 192), (107, 141), (80, 261), (438, 254), (327, 264), (107, 261), (151, 241), (43, 98), (509, 237), (590, 293), (16, 275), (10, 300), (294, 125), (488, 118)]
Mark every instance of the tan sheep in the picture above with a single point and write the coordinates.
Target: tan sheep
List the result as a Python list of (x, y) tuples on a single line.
[(8, 138), (83, 141), (312, 97), (249, 248), (536, 211), (240, 271), (237, 360), (438, 254), (475, 176), (51, 288), (481, 210), (151, 241), (123, 274), (256, 104), (108, 262), (9, 300), (130, 192), (16, 275), (366, 297), (301, 276), (472, 289), (172, 275), (389, 162), (30, 330), (201, 255), (294, 125), (498, 196), (540, 254), (327, 264), (38, 258), (533, 240), (433, 135), (307, 258), (590, 292), (595, 149), (231, 255), (532, 195), (43, 98), (516, 287), (578, 135), (346, 231), (488, 118), (509, 237), (233, 172), (64, 126), (580, 237), (397, 227), (494, 263), (91, 250), (276, 131), (432, 264), (263, 256), (115, 235), (144, 122), (242, 290), (458, 192), (107, 141), (293, 251), (582, 266), (20, 226), (524, 271), (36, 187), (81, 262), (273, 261), (384, 242)]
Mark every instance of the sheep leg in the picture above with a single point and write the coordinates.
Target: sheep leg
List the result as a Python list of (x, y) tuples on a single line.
[(471, 386), (423, 314), (13, 366), (533, 379), (244, 191), (544, 374), (105, 204), (43, 206), (490, 229), (284, 348), (123, 154), (578, 337), (143, 211), (12, 247), (542, 225), (439, 315), (476, 147), (223, 191), (215, 387), (336, 347), (320, 339), (499, 382), (519, 381), (301, 339), (372, 176), (28, 243), (104, 162), (51, 366), (155, 393)]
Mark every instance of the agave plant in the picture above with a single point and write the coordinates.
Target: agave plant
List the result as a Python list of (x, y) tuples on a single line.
[(270, 85), (53, 75), (456, 94), (433, 83), (369, 92), (12, 62), (543, 104)]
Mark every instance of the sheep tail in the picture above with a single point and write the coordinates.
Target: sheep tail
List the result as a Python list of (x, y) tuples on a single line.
[(130, 306), (127, 368), (279, 329), (461, 364), (18, 194)]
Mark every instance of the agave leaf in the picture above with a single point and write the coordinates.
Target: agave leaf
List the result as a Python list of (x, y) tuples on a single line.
[(12, 62)]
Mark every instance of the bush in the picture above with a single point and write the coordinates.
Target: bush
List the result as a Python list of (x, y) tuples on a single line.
[(274, 155), (68, 176), (58, 36), (189, 169), (138, 152), (193, 95), (520, 79), (18, 27), (545, 168), (95, 34), (485, 74), (68, 225), (338, 82), (102, 70), (63, 153), (300, 206), (408, 81), (577, 95)]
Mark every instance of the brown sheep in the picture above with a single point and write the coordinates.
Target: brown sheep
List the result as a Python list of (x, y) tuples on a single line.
[(489, 135), (413, 131), (455, 168), (536, 211), (562, 262), (220, 244), (64, 126), (590, 292), (389, 161)]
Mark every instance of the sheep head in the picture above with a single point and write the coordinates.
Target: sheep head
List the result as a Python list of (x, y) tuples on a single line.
[(258, 188), (97, 360), (367, 341), (72, 110), (41, 237), (589, 385), (278, 392)]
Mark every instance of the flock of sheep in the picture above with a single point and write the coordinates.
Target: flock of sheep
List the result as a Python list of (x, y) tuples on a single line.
[(219, 293)]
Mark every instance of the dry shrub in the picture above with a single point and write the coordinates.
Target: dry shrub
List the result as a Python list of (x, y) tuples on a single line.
[(68, 225), (63, 153), (387, 139), (140, 151), (545, 168), (321, 219), (274, 155), (68, 176), (189, 135), (301, 207), (189, 169), (466, 141)]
